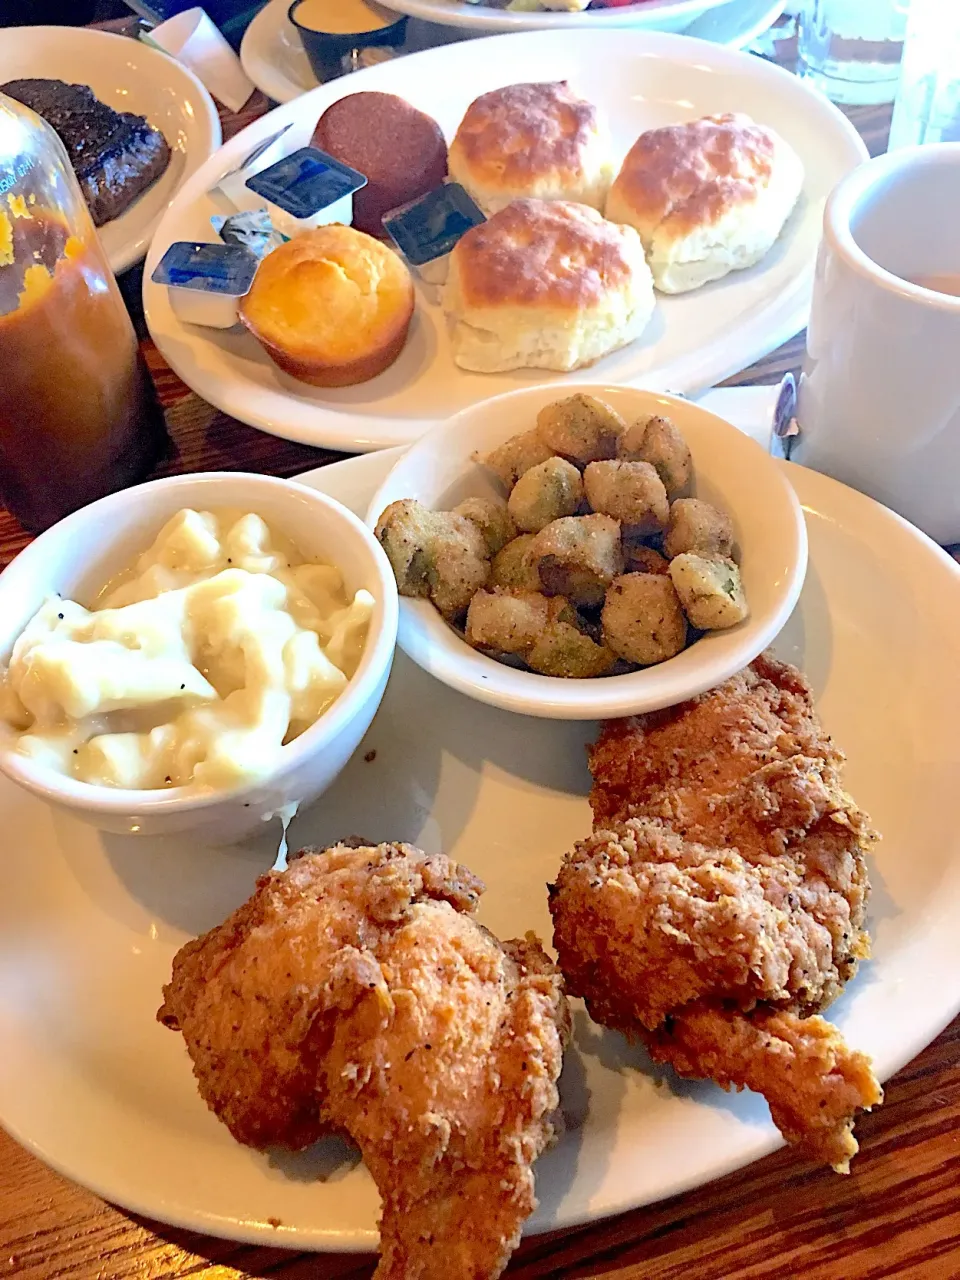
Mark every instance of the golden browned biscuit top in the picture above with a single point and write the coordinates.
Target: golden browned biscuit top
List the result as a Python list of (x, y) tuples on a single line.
[(543, 253), (689, 175), (525, 131)]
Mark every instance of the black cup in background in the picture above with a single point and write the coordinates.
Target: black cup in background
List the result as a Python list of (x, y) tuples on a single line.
[(331, 55)]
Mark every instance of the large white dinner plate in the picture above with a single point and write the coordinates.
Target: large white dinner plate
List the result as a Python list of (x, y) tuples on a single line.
[(127, 76), (641, 80), (89, 925), (274, 59), (649, 15)]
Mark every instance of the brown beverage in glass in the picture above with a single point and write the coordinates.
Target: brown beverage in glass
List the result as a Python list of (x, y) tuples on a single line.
[(78, 414)]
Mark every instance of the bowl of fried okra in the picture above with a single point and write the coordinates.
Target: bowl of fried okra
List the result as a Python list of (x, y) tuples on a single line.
[(600, 553)]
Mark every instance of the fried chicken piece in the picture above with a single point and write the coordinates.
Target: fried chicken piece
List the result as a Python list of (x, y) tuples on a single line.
[(725, 886), (747, 763), (813, 1082), (355, 992)]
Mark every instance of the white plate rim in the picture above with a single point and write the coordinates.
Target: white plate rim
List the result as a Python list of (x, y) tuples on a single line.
[(644, 16), (817, 493), (771, 324), (203, 107), (258, 57), (758, 24)]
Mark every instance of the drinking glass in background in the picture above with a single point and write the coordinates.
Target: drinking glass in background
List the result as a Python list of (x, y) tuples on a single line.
[(928, 100), (851, 49)]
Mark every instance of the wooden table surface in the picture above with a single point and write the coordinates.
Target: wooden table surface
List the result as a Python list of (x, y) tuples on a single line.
[(897, 1215)]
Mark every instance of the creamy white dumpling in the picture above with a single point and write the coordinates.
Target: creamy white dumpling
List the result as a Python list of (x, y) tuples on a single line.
[(313, 680), (347, 630), (248, 545), (185, 549), (131, 760), (314, 592), (63, 666), (239, 737)]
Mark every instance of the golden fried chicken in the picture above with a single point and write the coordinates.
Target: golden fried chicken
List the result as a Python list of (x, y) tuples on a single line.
[(355, 992), (813, 1081), (720, 901)]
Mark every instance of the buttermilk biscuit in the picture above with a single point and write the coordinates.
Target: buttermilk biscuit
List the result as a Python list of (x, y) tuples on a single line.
[(707, 198), (532, 140), (545, 285)]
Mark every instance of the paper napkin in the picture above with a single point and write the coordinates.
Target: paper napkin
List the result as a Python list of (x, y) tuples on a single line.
[(192, 39)]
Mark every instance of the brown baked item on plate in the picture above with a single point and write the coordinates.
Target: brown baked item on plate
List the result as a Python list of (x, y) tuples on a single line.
[(545, 285), (331, 307), (707, 197), (400, 151), (532, 140), (116, 155)]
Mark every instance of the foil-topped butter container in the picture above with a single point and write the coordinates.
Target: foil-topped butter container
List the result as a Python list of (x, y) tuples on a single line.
[(427, 229), (307, 189), (205, 282)]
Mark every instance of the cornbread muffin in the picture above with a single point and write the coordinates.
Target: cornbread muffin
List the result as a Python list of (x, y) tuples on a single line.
[(400, 151), (331, 307), (545, 285), (532, 140), (707, 198)]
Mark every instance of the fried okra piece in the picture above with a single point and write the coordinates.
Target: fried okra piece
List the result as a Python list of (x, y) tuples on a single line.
[(640, 559), (513, 566), (545, 493), (461, 566), (564, 649), (630, 492), (492, 518), (710, 590), (642, 618), (507, 621), (658, 441), (578, 557), (581, 428), (512, 459), (434, 553), (406, 531), (697, 526)]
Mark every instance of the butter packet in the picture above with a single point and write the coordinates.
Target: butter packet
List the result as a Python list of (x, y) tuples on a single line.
[(253, 229), (427, 229), (206, 282), (307, 189)]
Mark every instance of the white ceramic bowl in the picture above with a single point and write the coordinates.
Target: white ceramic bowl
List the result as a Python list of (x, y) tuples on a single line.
[(84, 551), (128, 76), (730, 470)]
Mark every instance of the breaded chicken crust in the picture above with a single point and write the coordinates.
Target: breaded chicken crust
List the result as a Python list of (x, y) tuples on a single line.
[(814, 1083), (355, 992), (720, 901)]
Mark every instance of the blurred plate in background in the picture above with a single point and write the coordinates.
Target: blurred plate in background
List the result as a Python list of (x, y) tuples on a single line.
[(647, 15), (274, 60)]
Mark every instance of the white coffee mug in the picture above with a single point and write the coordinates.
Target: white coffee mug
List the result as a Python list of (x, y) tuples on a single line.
[(879, 399)]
